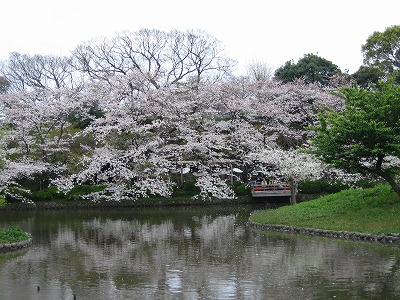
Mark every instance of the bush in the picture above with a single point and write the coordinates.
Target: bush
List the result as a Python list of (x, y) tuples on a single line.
[(79, 190), (242, 189), (12, 234), (321, 186), (16, 194), (365, 183), (48, 194), (189, 189), (52, 194)]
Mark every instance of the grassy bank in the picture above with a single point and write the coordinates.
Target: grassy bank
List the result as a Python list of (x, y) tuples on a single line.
[(375, 210), (12, 234)]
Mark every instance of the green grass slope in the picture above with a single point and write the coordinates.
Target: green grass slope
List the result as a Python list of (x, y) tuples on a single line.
[(375, 210)]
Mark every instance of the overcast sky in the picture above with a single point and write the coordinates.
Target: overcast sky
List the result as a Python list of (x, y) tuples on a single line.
[(267, 31)]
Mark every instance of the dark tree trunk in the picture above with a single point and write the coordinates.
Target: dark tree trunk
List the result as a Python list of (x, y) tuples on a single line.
[(293, 191), (386, 176)]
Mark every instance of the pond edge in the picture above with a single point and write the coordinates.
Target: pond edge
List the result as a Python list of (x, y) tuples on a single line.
[(56, 205), (15, 246), (391, 238)]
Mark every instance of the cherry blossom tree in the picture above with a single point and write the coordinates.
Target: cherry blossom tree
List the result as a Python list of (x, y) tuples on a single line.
[(142, 137), (292, 165), (215, 126), (280, 112), (37, 135), (35, 122), (144, 132)]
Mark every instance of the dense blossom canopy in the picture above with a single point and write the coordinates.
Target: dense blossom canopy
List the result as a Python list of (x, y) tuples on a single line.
[(142, 135)]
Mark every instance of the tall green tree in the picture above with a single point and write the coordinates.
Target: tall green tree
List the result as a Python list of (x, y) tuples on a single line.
[(367, 76), (382, 49), (312, 68), (365, 136)]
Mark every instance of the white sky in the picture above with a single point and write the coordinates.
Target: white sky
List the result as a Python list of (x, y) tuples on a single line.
[(267, 31)]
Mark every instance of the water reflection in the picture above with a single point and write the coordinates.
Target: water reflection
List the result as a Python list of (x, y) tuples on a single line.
[(187, 253)]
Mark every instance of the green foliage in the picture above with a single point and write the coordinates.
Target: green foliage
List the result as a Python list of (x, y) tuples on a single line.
[(14, 193), (189, 189), (375, 210), (367, 76), (382, 49), (81, 122), (311, 68), (48, 194), (241, 189), (51, 193), (2, 200), (12, 234), (365, 183), (360, 137), (321, 186), (80, 190)]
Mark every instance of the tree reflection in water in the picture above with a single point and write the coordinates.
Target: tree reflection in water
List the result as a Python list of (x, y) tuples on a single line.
[(187, 253)]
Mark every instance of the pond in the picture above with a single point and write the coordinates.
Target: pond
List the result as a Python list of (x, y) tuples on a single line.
[(186, 253)]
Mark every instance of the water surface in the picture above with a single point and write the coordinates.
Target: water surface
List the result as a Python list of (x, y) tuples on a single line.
[(187, 253)]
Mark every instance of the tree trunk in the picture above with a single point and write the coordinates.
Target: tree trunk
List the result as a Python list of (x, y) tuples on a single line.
[(293, 192), (390, 180), (386, 176)]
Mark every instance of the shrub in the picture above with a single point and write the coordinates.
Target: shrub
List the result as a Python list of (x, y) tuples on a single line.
[(242, 189), (189, 189), (16, 194), (52, 194), (48, 194), (12, 234), (79, 190), (321, 186)]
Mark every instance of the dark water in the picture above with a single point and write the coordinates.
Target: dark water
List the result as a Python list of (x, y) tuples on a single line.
[(187, 253)]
